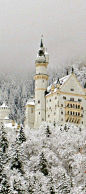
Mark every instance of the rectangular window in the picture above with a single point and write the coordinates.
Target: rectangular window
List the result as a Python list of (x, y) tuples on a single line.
[(61, 105), (64, 97), (62, 112), (72, 89), (31, 110), (38, 101), (71, 99), (79, 100), (50, 100)]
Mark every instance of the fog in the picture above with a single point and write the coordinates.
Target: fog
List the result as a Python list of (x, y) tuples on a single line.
[(22, 22)]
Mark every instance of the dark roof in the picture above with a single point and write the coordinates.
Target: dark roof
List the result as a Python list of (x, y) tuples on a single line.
[(41, 44)]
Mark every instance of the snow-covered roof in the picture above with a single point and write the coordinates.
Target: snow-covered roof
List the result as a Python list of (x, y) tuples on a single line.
[(6, 118), (9, 125), (31, 102), (61, 80), (4, 105), (64, 79)]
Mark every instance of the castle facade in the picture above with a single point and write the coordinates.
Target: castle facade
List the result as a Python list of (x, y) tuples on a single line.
[(63, 101)]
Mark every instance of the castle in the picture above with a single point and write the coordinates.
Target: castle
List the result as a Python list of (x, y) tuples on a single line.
[(61, 102)]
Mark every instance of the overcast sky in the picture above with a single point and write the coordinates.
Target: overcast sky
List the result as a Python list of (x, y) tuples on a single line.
[(22, 22)]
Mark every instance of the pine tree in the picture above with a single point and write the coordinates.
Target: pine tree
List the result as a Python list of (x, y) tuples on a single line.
[(48, 132), (43, 165), (15, 159), (22, 137), (51, 190), (4, 141), (65, 128), (85, 85), (18, 187), (5, 188)]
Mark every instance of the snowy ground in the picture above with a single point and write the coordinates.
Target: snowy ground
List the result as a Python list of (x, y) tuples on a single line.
[(47, 160)]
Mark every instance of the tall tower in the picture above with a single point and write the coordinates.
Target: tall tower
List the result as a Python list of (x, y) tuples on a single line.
[(41, 82)]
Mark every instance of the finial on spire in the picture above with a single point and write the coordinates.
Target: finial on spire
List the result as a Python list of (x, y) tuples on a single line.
[(41, 44)]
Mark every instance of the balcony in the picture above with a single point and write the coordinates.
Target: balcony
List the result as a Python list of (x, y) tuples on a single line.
[(73, 116), (72, 105), (73, 119)]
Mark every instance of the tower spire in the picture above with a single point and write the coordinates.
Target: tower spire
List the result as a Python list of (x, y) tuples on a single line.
[(41, 44)]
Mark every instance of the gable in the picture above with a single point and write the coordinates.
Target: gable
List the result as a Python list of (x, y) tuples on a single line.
[(72, 86)]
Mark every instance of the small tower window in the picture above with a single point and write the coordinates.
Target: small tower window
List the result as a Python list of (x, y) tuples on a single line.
[(39, 113), (38, 101), (31, 110)]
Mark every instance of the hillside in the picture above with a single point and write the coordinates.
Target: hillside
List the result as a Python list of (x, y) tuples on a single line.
[(48, 160)]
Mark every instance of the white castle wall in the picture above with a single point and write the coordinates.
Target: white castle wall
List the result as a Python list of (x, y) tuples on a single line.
[(41, 69), (4, 112), (65, 102)]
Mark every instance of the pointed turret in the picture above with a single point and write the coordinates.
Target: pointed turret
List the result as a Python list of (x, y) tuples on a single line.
[(41, 52), (58, 83), (41, 82), (41, 44)]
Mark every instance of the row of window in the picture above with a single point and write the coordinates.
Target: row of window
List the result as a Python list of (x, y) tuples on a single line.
[(74, 113), (73, 106), (72, 121), (4, 108), (64, 97), (69, 105), (72, 99)]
